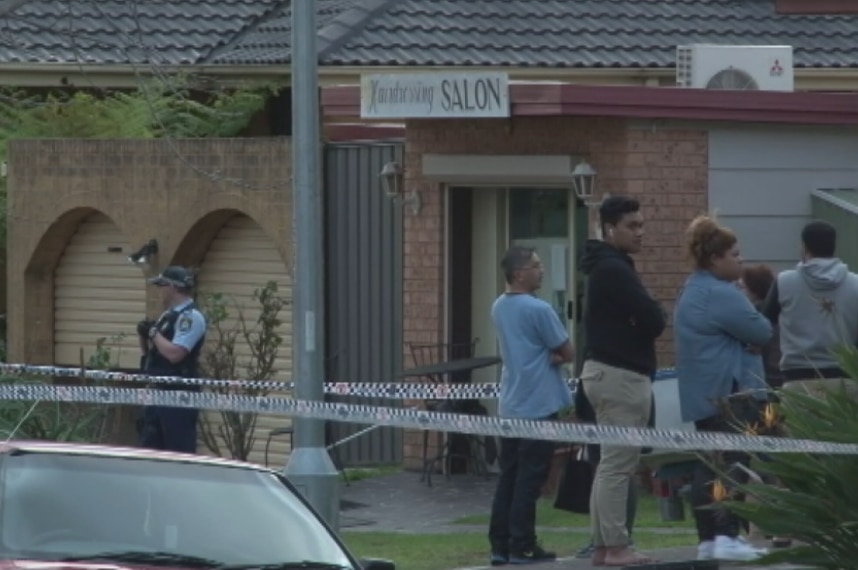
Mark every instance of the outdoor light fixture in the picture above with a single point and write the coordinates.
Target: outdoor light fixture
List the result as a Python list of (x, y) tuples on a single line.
[(142, 255), (393, 183), (584, 182)]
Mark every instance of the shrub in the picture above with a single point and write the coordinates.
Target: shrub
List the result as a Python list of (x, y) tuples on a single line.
[(816, 500)]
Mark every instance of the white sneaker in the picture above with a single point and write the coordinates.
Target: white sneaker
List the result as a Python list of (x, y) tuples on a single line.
[(706, 550), (726, 548)]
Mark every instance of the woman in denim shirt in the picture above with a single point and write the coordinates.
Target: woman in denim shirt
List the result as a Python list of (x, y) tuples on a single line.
[(717, 331)]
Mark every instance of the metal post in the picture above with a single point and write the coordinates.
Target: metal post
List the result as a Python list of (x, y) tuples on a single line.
[(309, 467)]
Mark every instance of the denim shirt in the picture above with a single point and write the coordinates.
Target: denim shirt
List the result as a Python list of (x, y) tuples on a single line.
[(713, 323)]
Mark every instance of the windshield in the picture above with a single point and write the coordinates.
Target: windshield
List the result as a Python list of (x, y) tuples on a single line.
[(56, 505)]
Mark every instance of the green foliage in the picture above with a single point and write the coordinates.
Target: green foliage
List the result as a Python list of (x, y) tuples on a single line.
[(816, 500), (61, 421), (167, 108), (234, 432), (102, 358), (51, 421), (151, 111)]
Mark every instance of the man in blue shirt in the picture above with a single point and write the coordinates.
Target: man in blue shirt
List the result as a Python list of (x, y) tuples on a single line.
[(533, 346), (171, 347)]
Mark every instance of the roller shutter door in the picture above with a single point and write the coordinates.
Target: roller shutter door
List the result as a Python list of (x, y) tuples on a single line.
[(97, 293), (241, 259)]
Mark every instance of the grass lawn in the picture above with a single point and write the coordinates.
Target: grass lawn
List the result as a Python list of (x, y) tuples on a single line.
[(360, 473), (461, 550), (470, 548)]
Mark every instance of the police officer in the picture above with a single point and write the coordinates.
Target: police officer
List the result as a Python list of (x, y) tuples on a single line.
[(171, 347)]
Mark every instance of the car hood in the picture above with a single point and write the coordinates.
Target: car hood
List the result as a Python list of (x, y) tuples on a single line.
[(58, 565)]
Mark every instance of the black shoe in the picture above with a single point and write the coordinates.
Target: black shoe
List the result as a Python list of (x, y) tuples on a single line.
[(499, 559), (586, 552), (533, 555)]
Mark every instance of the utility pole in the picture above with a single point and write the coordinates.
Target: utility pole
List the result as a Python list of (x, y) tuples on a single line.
[(309, 467)]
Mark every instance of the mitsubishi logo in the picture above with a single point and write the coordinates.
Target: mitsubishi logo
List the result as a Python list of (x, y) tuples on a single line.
[(777, 69)]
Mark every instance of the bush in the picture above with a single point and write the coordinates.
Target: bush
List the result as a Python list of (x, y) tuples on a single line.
[(233, 433), (51, 421), (816, 502)]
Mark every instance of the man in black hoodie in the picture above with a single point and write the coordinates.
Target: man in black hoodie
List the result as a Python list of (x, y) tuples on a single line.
[(621, 323)]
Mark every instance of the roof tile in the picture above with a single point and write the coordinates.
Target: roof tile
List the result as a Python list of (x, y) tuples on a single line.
[(270, 42), (586, 33), (153, 32), (523, 33)]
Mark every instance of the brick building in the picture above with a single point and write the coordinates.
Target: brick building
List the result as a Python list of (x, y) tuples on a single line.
[(77, 209), (679, 151), (669, 153)]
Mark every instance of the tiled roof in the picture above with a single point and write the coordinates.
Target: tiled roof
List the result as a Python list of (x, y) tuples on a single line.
[(522, 33), (269, 41), (152, 32), (585, 33)]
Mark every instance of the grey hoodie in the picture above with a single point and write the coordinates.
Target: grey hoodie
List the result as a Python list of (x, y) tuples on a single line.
[(818, 311)]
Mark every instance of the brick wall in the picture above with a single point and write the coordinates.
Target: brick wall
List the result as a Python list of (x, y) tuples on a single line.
[(149, 188), (666, 169)]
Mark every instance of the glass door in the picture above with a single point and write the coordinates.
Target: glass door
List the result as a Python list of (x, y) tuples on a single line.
[(544, 218)]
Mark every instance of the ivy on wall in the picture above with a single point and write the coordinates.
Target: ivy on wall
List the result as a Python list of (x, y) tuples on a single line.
[(153, 110)]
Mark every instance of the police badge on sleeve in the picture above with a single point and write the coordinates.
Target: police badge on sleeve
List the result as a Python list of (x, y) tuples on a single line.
[(184, 324)]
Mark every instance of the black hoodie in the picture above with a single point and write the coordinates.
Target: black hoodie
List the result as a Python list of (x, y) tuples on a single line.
[(621, 319)]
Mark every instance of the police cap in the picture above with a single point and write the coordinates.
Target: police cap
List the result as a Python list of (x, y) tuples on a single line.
[(175, 276)]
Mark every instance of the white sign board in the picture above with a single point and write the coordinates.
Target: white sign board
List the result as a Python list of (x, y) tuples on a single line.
[(434, 95)]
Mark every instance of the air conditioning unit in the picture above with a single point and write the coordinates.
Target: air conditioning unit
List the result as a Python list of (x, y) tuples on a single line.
[(763, 68)]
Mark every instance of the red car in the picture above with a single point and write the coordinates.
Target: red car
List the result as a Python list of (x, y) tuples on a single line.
[(96, 507)]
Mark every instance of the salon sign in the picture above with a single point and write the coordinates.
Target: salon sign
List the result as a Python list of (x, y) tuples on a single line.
[(434, 95)]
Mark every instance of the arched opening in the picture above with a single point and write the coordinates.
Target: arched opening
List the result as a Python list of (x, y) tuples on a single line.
[(240, 258), (98, 297), (33, 327), (60, 307)]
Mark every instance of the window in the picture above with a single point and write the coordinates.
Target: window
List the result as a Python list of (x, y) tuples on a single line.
[(56, 505), (538, 213)]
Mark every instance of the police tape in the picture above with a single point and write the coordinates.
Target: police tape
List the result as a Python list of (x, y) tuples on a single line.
[(425, 420), (381, 390)]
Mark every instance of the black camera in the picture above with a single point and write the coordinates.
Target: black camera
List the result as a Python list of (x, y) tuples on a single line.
[(144, 326)]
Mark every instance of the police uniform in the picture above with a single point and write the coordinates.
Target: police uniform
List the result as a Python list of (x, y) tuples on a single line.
[(169, 428)]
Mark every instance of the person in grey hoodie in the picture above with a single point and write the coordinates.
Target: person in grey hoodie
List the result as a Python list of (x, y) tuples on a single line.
[(815, 307)]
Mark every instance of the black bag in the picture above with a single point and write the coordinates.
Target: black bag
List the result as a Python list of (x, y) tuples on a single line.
[(583, 409), (573, 492)]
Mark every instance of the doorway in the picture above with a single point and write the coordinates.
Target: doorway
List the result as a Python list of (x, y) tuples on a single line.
[(482, 222)]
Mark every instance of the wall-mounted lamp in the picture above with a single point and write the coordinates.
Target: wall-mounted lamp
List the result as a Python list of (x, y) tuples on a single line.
[(584, 182), (393, 183), (142, 255)]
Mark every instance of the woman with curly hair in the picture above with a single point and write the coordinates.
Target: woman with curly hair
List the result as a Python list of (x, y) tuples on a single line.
[(715, 328)]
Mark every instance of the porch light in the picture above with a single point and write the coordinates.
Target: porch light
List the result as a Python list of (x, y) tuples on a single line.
[(584, 182), (393, 184)]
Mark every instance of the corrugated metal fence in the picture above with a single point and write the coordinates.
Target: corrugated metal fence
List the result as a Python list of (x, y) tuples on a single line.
[(363, 253)]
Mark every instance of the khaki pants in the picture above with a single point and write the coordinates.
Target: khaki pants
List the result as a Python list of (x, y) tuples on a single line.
[(620, 398), (819, 386)]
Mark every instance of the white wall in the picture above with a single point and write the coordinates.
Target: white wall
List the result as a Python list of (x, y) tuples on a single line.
[(760, 179)]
